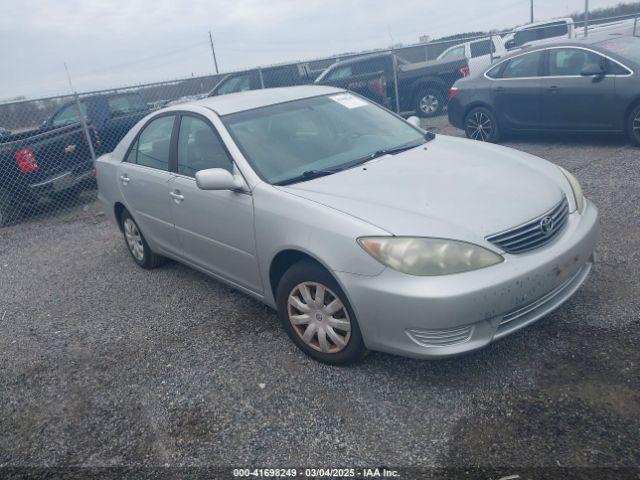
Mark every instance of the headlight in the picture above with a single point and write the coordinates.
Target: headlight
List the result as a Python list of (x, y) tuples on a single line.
[(577, 189), (428, 256)]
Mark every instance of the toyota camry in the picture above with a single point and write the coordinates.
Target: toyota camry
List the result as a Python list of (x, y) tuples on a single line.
[(362, 230)]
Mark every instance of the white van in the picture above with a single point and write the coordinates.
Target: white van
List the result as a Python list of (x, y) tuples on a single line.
[(539, 32), (480, 53)]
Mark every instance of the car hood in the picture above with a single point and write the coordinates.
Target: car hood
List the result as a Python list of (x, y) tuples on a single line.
[(449, 187)]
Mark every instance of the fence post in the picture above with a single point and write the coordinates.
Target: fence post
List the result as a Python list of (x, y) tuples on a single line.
[(83, 126), (586, 18), (491, 49), (395, 81), (635, 24), (261, 77)]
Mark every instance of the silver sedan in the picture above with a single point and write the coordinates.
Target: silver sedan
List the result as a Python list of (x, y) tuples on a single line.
[(363, 231)]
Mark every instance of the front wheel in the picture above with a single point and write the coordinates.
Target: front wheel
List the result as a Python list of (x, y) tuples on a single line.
[(317, 316), (633, 126), (429, 102), (480, 124)]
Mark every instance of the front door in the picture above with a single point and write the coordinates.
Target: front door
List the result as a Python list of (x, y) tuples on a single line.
[(144, 181), (215, 228), (571, 101)]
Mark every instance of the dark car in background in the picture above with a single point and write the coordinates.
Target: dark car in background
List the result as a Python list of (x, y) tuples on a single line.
[(268, 77), (422, 86), (55, 159), (590, 85)]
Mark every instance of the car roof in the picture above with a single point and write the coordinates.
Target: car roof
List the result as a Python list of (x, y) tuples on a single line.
[(591, 41), (250, 99)]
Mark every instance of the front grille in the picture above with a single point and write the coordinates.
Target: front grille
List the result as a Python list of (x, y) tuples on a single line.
[(440, 338), (535, 233)]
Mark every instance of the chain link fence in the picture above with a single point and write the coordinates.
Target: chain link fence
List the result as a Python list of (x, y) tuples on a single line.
[(48, 145)]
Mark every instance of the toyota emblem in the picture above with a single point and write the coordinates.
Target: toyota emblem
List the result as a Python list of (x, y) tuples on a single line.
[(546, 225)]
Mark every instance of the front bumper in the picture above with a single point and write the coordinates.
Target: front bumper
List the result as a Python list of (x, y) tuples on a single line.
[(427, 317)]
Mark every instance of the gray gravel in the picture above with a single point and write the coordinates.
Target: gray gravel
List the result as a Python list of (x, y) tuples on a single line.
[(103, 363)]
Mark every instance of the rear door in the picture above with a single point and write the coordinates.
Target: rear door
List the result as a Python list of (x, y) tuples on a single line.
[(571, 101), (215, 228), (516, 91), (144, 181)]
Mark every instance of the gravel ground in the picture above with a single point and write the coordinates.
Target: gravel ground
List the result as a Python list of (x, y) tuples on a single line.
[(103, 363)]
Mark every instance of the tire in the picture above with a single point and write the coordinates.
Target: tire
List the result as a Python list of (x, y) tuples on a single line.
[(481, 124), (633, 126), (136, 243), (9, 211), (334, 322), (429, 102)]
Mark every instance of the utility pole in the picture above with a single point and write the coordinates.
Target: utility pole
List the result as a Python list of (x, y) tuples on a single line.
[(586, 17), (213, 52), (531, 11)]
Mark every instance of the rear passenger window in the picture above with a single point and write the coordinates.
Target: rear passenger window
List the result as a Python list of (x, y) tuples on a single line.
[(154, 143), (495, 71), (200, 148), (527, 65)]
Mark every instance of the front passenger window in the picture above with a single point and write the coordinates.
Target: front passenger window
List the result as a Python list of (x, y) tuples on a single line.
[(571, 61), (200, 148)]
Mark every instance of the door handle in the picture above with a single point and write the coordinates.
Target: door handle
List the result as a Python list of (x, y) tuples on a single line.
[(553, 88), (498, 89), (177, 196), (70, 148), (125, 180)]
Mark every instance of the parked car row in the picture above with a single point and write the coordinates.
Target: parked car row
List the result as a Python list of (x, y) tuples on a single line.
[(55, 159), (587, 85), (422, 86)]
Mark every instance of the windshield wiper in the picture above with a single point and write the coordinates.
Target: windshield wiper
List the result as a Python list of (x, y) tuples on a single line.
[(309, 175)]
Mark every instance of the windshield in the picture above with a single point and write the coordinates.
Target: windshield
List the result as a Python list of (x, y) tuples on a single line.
[(330, 132), (628, 47)]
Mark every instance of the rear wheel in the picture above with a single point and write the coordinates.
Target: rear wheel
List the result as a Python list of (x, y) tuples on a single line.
[(480, 124), (429, 102), (317, 316), (136, 243), (633, 126)]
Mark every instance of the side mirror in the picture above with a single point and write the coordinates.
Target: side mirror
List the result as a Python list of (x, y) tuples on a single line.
[(218, 179), (593, 69), (415, 121)]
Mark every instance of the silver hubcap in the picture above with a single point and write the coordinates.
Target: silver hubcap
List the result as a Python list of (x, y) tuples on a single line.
[(319, 317), (636, 126), (134, 239), (479, 127), (429, 103)]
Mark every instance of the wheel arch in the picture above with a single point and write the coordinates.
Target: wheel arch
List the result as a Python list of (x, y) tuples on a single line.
[(428, 82), (476, 104), (284, 260), (632, 104), (118, 210)]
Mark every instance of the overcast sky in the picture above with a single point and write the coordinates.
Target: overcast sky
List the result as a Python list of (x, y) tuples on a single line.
[(123, 42)]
